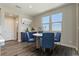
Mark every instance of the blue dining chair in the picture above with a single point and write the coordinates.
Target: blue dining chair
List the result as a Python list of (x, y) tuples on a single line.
[(30, 37), (57, 37), (47, 41), (24, 36)]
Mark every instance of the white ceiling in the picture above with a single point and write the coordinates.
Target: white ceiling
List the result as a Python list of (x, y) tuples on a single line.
[(37, 8)]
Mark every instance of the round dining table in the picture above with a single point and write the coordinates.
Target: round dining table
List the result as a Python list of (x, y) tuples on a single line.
[(37, 39)]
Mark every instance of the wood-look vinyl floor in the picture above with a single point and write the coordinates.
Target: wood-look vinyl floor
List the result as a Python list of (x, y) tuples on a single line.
[(13, 48)]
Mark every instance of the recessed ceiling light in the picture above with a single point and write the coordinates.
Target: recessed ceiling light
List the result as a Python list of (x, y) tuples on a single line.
[(30, 6)]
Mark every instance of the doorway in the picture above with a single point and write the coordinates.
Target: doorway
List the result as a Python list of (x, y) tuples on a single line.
[(11, 28)]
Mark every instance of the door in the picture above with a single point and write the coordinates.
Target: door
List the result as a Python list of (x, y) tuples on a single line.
[(9, 28)]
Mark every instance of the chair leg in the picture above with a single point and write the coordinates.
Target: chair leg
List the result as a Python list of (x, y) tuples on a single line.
[(51, 51), (44, 50)]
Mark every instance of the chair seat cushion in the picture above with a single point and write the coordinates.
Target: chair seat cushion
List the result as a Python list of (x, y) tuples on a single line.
[(31, 39), (56, 40)]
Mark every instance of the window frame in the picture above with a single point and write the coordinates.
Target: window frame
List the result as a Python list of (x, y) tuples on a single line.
[(45, 23), (57, 22), (51, 22), (57, 30), (48, 27)]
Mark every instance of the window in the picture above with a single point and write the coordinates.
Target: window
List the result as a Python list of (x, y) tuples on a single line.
[(57, 22), (56, 26), (53, 22), (45, 23)]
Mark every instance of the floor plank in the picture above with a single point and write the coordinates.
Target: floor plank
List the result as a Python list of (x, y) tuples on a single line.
[(13, 48)]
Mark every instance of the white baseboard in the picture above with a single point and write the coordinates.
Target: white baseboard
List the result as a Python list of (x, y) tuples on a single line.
[(9, 39), (76, 49), (72, 46)]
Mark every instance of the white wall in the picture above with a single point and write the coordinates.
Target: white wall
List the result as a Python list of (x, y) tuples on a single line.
[(9, 28), (0, 21), (0, 25), (25, 24), (68, 27), (0, 28), (77, 26), (13, 12), (21, 27)]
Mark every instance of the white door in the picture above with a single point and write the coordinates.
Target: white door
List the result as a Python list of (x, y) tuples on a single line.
[(10, 28)]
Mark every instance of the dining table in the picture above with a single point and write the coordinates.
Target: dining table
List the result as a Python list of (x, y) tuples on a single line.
[(37, 39)]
